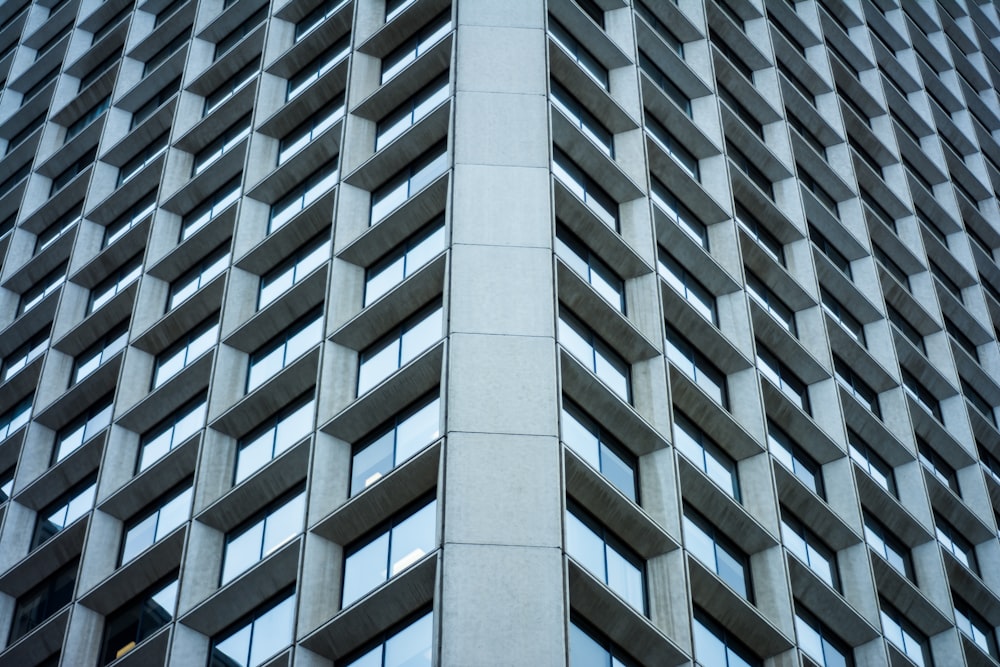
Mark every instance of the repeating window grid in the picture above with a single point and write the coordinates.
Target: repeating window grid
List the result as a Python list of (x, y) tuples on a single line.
[(263, 535), (139, 619), (785, 449), (406, 435), (873, 464), (19, 359), (294, 342), (274, 437), (64, 223), (318, 67), (976, 400), (61, 513), (855, 386), (576, 112), (410, 643), (577, 181), (41, 602), (596, 355), (91, 359), (146, 156), (605, 556), (111, 286), (150, 528), (888, 546), (952, 541), (177, 357), (902, 634), (770, 302), (403, 262), (579, 53), (289, 273), (665, 84), (766, 241), (171, 432), (598, 448), (919, 393), (590, 267), (696, 446), (819, 643), (588, 647), (667, 202), (809, 549), (83, 428), (311, 129), (717, 552), (121, 225), (714, 646), (257, 637), (677, 151), (316, 17), (982, 633), (425, 38), (390, 551), (15, 418), (783, 378), (696, 366), (188, 284), (693, 291), (236, 35), (850, 324), (35, 294), (224, 143), (417, 334), (937, 466), (229, 88), (676, 45), (408, 182), (302, 196), (410, 112)]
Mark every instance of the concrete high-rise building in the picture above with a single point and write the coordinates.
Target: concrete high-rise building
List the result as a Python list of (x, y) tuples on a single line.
[(499, 332)]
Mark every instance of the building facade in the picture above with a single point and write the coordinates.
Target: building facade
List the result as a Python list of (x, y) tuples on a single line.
[(468, 332)]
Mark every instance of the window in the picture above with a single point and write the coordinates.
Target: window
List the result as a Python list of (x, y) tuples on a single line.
[(316, 17), (836, 257), (819, 643), (770, 302), (164, 53), (989, 462), (41, 289), (144, 531), (714, 645), (288, 346), (977, 628), (67, 175), (318, 67), (429, 35), (394, 8), (411, 111), (215, 204), (84, 121), (6, 485), (978, 401), (139, 619), (902, 634), (873, 464), (25, 132), (272, 438), (192, 281), (696, 366), (789, 383), (409, 646), (921, 394), (590, 267), (855, 386), (24, 355), (842, 316), (596, 355), (717, 552), (405, 435), (57, 228), (579, 53), (131, 169), (94, 420), (398, 348), (578, 114), (936, 464), (64, 511), (174, 359), (684, 158), (678, 277), (131, 218), (588, 648), (888, 546), (739, 160), (740, 111), (705, 454), (12, 181), (263, 534), (301, 197), (15, 418), (809, 549), (234, 36), (962, 339), (398, 545), (43, 601), (606, 557), (108, 288), (890, 265), (230, 87), (908, 330), (598, 448), (583, 186), (411, 180), (670, 206), (225, 142), (955, 543), (759, 233), (660, 28), (263, 633), (154, 103), (91, 359), (404, 261), (289, 273), (784, 448), (171, 432), (665, 84), (311, 128)]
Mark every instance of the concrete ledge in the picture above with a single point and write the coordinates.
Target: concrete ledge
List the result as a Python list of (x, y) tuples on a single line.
[(377, 611), (597, 100), (716, 421), (809, 509), (46, 559), (816, 596), (404, 149), (401, 27), (407, 81), (41, 642), (156, 480), (182, 387), (401, 486), (906, 597), (271, 320), (877, 502), (620, 622)]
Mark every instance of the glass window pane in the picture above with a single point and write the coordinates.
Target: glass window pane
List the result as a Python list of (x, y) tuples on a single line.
[(378, 365), (242, 552), (411, 647), (421, 336), (412, 539), (625, 579), (371, 463), (585, 546), (365, 569), (272, 631), (283, 524), (584, 651), (417, 431), (233, 651), (139, 537)]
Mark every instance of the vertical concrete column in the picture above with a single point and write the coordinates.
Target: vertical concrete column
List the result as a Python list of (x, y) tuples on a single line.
[(502, 591)]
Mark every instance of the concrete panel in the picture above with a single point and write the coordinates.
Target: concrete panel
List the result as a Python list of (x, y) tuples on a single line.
[(502, 384), (492, 128), (496, 291), (490, 476), (504, 206), (511, 13), (502, 606), (520, 70)]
